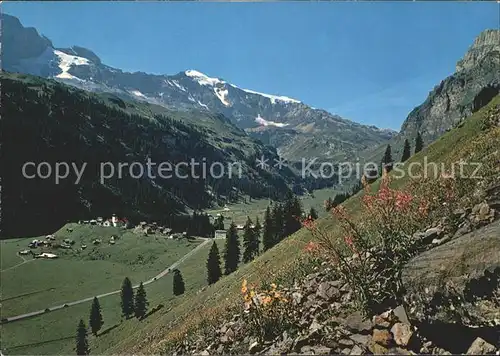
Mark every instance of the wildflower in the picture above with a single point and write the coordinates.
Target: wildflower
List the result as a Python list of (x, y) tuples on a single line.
[(311, 247), (244, 288), (308, 223)]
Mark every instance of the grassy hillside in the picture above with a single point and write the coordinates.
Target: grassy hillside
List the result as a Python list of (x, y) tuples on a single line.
[(476, 140)]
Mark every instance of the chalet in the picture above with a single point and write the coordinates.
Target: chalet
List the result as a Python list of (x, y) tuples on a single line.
[(25, 252), (46, 255), (220, 234), (93, 222), (240, 227), (107, 223)]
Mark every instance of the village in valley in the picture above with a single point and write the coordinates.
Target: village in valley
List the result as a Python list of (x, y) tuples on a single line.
[(45, 248)]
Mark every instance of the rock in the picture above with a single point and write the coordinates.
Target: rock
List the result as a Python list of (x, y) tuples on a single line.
[(360, 339), (402, 333), (320, 350), (327, 291), (356, 350), (382, 337), (458, 264), (356, 322), (315, 326), (482, 213), (399, 351), (463, 229), (481, 347), (346, 342), (442, 240), (383, 320), (429, 235), (400, 313), (254, 347), (204, 353), (297, 298), (377, 349)]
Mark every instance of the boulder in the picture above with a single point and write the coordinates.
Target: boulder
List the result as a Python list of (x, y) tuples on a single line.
[(357, 323), (382, 337), (432, 278), (327, 290), (402, 333), (481, 347)]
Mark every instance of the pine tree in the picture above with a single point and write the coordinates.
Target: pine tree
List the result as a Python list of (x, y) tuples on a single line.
[(213, 265), (292, 212), (127, 298), (406, 151), (178, 283), (141, 302), (387, 160), (277, 218), (250, 242), (419, 143), (219, 223), (268, 234), (313, 214), (82, 344), (232, 250), (257, 230), (96, 321)]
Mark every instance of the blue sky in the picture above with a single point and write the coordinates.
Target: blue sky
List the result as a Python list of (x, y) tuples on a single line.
[(371, 62)]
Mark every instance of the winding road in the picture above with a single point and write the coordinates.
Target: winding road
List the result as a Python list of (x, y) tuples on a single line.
[(80, 301)]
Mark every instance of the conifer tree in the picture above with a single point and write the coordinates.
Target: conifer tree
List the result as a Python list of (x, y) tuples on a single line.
[(213, 265), (219, 223), (82, 344), (250, 242), (96, 321), (127, 298), (406, 151), (140, 303), (258, 231), (232, 250), (387, 160), (268, 233), (313, 214), (419, 143), (278, 223), (292, 213), (178, 288)]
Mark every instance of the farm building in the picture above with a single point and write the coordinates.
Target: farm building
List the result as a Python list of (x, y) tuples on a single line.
[(220, 234), (46, 255)]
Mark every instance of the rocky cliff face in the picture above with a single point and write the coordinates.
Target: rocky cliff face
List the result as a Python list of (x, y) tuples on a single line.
[(475, 82)]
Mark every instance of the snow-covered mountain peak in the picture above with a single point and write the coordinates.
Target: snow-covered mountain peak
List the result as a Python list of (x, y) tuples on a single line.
[(273, 98), (203, 79), (65, 63)]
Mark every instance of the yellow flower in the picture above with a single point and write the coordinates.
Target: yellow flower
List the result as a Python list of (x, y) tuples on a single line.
[(244, 288), (273, 285)]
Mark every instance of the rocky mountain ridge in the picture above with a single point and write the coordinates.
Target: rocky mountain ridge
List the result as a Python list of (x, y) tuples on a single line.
[(30, 53), (475, 82)]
